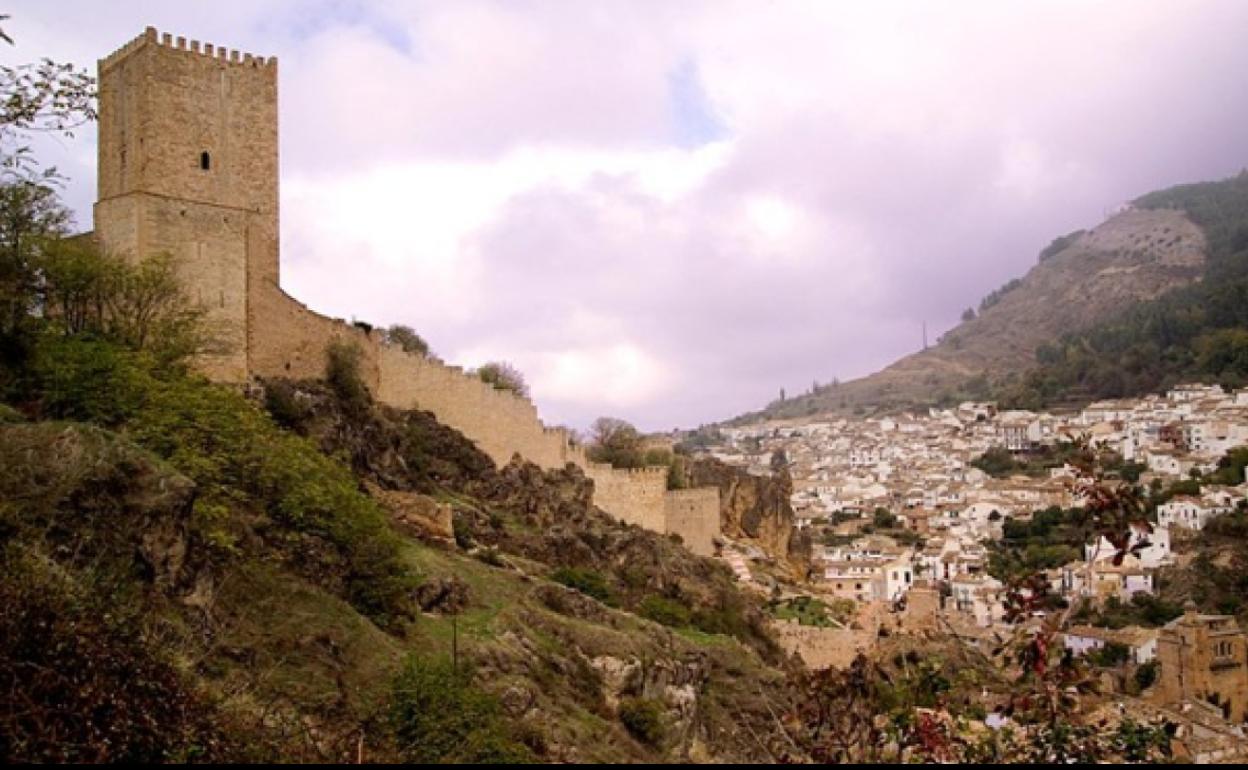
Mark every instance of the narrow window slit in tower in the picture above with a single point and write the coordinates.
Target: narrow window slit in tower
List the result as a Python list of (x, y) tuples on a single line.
[(204, 161)]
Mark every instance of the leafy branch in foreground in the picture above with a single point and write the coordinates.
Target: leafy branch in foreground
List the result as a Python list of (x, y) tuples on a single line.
[(1051, 680), (43, 97)]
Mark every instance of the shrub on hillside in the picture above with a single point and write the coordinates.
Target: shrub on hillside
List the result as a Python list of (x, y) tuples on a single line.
[(281, 401), (644, 718), (440, 717), (730, 616), (82, 683), (87, 380), (236, 455), (229, 447), (342, 371), (587, 581), (666, 611)]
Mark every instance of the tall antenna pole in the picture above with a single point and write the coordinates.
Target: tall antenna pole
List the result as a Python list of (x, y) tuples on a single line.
[(925, 335)]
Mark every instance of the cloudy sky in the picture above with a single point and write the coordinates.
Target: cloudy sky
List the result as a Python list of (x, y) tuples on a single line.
[(667, 211)]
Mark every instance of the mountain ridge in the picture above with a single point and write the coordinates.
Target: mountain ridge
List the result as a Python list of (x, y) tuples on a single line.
[(1082, 281)]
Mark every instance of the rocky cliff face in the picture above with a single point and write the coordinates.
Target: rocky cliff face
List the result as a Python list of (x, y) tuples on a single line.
[(754, 509)]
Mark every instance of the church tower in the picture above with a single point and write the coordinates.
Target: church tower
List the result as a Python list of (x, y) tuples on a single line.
[(188, 165)]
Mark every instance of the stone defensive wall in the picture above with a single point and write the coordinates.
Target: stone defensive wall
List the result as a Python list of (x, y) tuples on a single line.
[(694, 515), (287, 339), (633, 495)]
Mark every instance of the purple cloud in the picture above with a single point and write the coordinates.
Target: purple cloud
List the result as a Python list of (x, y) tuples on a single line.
[(667, 212)]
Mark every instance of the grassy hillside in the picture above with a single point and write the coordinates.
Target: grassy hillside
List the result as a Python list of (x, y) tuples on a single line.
[(187, 579)]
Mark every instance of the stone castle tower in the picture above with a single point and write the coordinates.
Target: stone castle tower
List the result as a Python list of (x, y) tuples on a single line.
[(1204, 658), (188, 165)]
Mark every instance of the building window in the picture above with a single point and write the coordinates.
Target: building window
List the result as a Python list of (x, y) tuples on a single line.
[(205, 162)]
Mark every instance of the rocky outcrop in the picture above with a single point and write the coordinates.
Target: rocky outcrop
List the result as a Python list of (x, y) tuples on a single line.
[(94, 497), (754, 509), (545, 516), (420, 514)]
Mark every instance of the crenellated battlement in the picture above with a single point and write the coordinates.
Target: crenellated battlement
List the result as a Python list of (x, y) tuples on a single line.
[(221, 54)]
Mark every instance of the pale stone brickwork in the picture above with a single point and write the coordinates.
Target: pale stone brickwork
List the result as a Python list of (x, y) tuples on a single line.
[(289, 340), (188, 165), (694, 515), (1204, 658), (922, 611), (821, 648), (634, 495)]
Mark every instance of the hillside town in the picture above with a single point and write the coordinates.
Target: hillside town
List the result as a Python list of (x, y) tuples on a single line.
[(333, 442), (906, 512)]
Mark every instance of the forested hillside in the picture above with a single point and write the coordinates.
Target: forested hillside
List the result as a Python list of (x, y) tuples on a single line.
[(1194, 332)]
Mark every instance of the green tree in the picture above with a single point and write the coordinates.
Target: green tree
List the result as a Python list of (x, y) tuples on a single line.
[(1231, 467), (883, 519), (342, 371), (587, 581), (645, 719), (139, 305), (997, 461), (40, 98), (31, 215), (615, 441)]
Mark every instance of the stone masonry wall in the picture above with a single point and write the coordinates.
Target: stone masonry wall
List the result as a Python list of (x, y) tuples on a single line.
[(694, 515), (292, 342), (188, 166), (500, 423), (634, 496), (209, 246), (289, 340)]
